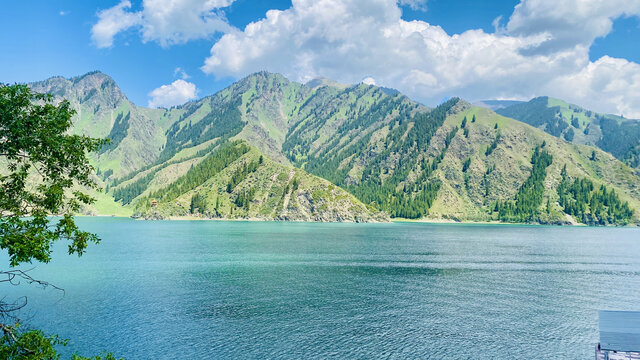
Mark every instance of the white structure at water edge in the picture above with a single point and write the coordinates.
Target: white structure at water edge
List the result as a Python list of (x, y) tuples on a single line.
[(619, 335)]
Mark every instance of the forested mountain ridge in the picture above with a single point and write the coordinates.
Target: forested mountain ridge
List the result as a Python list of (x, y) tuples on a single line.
[(357, 150), (611, 133), (237, 181), (280, 116)]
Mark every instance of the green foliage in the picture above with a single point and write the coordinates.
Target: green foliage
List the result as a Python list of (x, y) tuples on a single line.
[(473, 119), (465, 164), (106, 174), (198, 204), (207, 168), (241, 173), (243, 198), (620, 136), (537, 113), (569, 135), (411, 200), (464, 123), (525, 207), (118, 132), (493, 145), (17, 344), (590, 205), (575, 122), (632, 157), (129, 192), (43, 162), (223, 123)]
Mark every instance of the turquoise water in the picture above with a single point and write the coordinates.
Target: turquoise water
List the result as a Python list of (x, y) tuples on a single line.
[(200, 290)]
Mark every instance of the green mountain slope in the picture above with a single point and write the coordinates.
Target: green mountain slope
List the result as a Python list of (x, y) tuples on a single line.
[(270, 148), (102, 110), (284, 119), (440, 166), (505, 172), (237, 181), (611, 133)]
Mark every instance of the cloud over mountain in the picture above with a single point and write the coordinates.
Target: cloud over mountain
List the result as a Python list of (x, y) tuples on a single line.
[(539, 51), (176, 93), (543, 48)]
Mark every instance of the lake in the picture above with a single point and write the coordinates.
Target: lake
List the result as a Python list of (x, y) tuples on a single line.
[(209, 289)]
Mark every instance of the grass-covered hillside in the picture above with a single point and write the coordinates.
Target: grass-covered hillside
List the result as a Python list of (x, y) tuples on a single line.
[(238, 181), (270, 148), (496, 168), (463, 163), (611, 133)]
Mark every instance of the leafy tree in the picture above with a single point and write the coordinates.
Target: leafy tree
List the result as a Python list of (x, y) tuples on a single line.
[(42, 165), (575, 122), (465, 164), (569, 134), (198, 204), (493, 145)]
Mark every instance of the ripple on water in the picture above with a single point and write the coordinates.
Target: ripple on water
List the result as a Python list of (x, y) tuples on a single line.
[(200, 290)]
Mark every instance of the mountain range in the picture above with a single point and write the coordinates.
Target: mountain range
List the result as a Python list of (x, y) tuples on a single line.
[(270, 148)]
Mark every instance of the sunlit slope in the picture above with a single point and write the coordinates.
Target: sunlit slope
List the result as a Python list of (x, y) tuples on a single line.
[(336, 152), (469, 195), (612, 133), (238, 181), (102, 110), (287, 120)]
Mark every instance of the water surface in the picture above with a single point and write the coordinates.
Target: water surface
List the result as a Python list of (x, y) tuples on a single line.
[(206, 289)]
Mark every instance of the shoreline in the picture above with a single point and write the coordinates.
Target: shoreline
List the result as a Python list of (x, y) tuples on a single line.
[(391, 221)]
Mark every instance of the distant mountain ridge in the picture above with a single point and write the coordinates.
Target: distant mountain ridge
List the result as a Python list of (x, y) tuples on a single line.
[(332, 152), (612, 133), (497, 104)]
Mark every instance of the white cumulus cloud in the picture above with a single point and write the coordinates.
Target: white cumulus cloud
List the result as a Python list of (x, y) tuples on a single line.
[(166, 22), (542, 50), (112, 21), (569, 22), (176, 93)]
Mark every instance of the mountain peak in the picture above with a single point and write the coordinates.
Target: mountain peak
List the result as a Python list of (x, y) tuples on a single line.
[(95, 79), (264, 76)]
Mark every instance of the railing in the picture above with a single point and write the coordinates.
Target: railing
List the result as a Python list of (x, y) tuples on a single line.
[(615, 355)]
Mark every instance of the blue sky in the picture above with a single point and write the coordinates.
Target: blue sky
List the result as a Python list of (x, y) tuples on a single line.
[(410, 45)]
